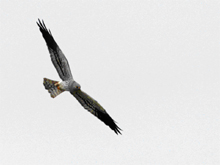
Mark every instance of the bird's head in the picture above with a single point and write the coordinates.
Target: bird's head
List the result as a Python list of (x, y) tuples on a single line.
[(74, 86)]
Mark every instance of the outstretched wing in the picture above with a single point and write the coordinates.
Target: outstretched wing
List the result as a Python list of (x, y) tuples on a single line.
[(59, 60), (96, 109)]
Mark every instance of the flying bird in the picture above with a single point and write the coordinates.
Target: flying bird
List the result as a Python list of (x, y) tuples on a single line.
[(68, 83)]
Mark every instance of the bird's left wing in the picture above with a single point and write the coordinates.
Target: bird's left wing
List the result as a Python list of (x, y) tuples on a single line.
[(57, 57), (96, 109)]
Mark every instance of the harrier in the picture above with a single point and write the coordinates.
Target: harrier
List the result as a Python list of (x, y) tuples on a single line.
[(69, 84)]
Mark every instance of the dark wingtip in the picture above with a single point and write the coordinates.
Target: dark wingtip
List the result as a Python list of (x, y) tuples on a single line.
[(47, 35), (42, 26), (117, 130), (111, 123), (39, 23)]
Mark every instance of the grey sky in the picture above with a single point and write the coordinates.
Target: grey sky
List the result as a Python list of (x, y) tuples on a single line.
[(153, 65)]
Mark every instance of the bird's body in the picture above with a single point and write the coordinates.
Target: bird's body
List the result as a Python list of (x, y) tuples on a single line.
[(69, 84)]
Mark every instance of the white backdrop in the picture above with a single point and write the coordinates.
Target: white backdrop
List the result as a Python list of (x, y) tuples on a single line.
[(153, 65)]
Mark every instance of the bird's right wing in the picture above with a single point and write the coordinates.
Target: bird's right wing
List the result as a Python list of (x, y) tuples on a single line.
[(58, 59), (96, 109)]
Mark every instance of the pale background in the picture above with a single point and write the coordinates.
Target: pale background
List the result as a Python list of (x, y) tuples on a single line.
[(153, 65)]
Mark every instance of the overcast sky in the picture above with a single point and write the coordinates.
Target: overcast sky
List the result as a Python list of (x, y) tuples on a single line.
[(153, 65)]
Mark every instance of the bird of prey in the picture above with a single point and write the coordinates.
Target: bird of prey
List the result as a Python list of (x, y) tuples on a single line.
[(69, 84)]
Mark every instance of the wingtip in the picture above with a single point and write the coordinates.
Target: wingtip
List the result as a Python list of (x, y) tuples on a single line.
[(38, 22), (118, 130), (42, 26)]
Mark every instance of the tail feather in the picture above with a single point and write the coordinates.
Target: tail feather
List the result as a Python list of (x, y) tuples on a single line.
[(52, 88)]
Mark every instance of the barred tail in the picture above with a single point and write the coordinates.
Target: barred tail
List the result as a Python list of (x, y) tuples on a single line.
[(52, 87)]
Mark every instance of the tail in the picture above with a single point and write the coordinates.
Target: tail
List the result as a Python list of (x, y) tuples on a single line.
[(52, 87)]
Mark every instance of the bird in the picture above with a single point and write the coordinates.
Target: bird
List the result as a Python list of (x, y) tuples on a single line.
[(68, 83)]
